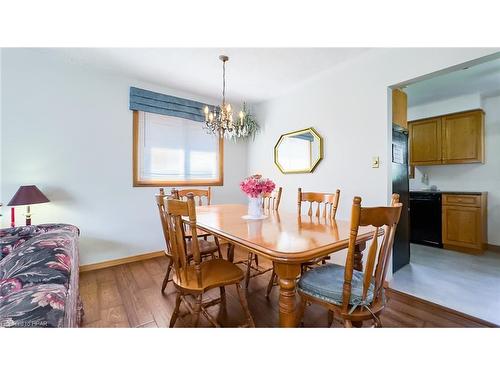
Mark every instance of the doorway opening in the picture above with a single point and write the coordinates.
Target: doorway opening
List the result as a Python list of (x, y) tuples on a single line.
[(445, 163)]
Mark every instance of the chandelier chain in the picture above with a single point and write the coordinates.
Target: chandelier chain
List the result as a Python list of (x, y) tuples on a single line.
[(223, 83)]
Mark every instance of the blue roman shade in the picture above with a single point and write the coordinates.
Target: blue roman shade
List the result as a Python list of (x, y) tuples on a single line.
[(149, 101)]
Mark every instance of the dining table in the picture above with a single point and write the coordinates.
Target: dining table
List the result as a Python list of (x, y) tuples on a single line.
[(285, 238)]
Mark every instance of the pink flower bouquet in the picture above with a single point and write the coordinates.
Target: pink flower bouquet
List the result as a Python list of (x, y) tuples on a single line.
[(254, 186)]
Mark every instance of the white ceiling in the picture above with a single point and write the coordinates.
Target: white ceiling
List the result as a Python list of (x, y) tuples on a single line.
[(253, 74), (483, 79)]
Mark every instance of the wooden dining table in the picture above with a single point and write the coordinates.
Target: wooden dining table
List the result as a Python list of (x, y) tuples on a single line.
[(287, 239)]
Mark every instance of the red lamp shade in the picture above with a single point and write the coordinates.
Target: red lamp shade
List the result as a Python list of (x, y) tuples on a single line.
[(29, 194)]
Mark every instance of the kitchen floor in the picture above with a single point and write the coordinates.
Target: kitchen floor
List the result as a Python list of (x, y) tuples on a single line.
[(466, 283)]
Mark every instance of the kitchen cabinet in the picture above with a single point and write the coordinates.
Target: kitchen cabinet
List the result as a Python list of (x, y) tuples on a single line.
[(455, 138), (463, 138), (464, 222), (399, 108), (425, 142)]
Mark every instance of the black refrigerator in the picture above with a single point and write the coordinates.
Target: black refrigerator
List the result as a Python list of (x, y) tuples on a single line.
[(400, 185)]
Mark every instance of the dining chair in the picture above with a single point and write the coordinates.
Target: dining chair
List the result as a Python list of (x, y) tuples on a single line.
[(193, 279), (322, 205), (326, 208), (355, 296), (326, 203), (207, 248), (203, 197), (270, 202)]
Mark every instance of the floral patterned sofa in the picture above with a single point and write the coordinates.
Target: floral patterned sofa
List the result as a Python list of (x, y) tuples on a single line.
[(39, 268)]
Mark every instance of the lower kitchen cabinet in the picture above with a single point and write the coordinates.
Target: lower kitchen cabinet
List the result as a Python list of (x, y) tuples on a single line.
[(464, 222)]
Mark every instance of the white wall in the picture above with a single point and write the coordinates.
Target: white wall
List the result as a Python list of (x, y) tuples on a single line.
[(68, 129), (349, 107), (440, 107), (470, 177)]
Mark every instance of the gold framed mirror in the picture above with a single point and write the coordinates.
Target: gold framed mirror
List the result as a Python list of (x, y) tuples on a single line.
[(298, 151)]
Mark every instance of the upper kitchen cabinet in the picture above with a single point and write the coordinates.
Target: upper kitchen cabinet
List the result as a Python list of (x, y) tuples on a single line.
[(399, 108), (425, 142), (455, 138), (463, 138)]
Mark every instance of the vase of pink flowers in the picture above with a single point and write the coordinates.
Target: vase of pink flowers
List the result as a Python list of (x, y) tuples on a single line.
[(255, 187)]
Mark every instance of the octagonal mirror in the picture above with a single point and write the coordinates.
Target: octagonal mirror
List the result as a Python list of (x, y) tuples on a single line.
[(299, 151)]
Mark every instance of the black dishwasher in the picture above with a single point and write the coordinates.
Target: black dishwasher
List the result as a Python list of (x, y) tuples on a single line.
[(425, 218)]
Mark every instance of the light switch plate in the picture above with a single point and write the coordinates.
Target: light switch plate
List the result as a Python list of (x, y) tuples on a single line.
[(375, 162)]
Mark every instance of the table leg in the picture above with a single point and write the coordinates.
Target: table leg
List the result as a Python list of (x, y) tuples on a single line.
[(287, 274), (358, 256), (358, 265)]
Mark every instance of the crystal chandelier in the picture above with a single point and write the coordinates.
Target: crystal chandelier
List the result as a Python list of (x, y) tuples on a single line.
[(220, 120)]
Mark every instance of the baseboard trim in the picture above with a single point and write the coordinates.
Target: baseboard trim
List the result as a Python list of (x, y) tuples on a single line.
[(494, 248), (117, 262)]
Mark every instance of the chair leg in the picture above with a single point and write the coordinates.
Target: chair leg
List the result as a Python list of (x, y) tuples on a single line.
[(249, 264), (230, 252), (244, 305), (222, 296), (330, 318), (302, 309), (218, 247), (197, 310), (377, 323), (175, 314), (256, 257), (167, 275), (271, 284)]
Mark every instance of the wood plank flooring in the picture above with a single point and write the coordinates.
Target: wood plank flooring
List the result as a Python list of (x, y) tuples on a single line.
[(129, 296)]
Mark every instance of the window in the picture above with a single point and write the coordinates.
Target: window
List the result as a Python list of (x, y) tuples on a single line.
[(173, 151)]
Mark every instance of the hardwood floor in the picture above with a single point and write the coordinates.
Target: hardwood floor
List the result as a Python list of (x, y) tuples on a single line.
[(129, 296)]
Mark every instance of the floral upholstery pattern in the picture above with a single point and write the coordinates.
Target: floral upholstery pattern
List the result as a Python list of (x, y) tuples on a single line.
[(11, 238), (39, 276)]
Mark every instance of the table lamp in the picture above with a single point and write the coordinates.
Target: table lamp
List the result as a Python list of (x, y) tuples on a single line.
[(27, 195)]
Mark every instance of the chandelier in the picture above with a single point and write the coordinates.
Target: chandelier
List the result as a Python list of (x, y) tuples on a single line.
[(220, 120)]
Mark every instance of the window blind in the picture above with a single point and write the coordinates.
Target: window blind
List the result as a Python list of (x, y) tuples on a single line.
[(153, 102)]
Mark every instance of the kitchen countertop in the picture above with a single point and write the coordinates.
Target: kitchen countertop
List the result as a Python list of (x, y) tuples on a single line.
[(448, 192)]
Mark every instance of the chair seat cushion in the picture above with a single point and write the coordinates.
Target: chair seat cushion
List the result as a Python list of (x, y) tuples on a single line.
[(206, 247), (214, 273), (326, 283)]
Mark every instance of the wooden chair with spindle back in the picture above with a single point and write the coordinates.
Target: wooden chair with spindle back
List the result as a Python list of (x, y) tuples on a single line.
[(199, 276), (207, 248), (329, 202), (356, 296), (270, 202), (326, 208), (199, 195), (203, 197)]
